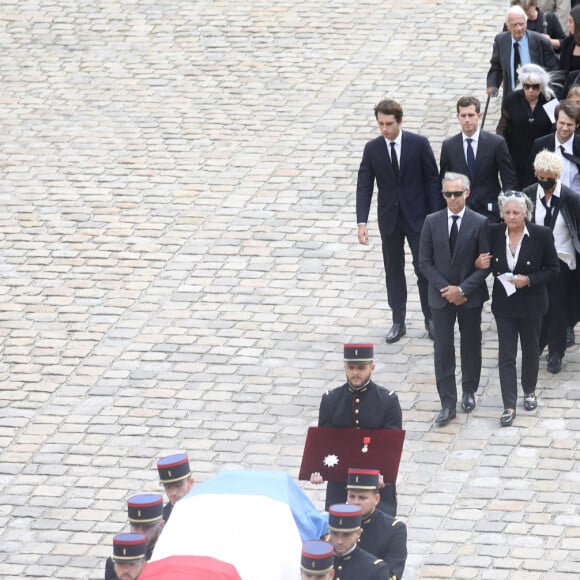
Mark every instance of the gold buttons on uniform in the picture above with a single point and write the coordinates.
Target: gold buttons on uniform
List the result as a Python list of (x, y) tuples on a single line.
[(357, 400)]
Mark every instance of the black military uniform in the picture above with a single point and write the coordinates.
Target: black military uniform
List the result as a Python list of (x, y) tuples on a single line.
[(357, 564), (370, 407), (383, 536), (172, 469), (143, 510)]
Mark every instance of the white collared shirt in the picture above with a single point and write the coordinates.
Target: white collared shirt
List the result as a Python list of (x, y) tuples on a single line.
[(397, 143), (569, 177), (512, 259), (450, 215), (475, 141)]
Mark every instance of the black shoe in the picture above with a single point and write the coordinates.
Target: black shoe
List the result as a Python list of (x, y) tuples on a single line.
[(444, 416), (468, 402), (530, 401), (396, 332), (507, 417), (429, 328), (554, 363), (570, 337)]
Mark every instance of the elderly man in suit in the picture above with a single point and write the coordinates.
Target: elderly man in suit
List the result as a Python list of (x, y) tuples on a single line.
[(404, 168), (482, 156), (451, 241), (515, 47)]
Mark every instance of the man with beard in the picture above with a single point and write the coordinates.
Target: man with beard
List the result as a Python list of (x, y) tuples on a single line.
[(359, 404)]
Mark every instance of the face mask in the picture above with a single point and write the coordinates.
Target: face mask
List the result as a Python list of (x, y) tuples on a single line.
[(548, 184)]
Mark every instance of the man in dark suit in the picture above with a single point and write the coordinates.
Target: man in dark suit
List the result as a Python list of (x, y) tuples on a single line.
[(486, 164), (557, 207), (515, 47), (451, 241), (404, 167), (564, 142)]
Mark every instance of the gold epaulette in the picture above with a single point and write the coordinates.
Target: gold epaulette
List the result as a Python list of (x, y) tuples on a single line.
[(377, 562)]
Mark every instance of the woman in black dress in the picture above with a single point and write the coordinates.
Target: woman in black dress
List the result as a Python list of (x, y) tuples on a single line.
[(524, 118), (570, 51)]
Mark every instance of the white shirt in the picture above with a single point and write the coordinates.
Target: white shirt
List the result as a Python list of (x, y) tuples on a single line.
[(450, 215), (569, 177), (512, 259), (475, 140), (397, 143)]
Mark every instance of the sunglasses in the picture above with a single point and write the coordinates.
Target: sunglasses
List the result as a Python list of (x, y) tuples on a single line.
[(449, 194), (513, 194), (533, 87)]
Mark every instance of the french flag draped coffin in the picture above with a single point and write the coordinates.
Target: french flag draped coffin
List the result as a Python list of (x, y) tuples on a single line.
[(255, 521)]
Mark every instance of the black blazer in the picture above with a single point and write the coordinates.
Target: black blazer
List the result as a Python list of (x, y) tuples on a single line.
[(492, 163), (537, 260), (549, 142), (541, 52), (442, 269), (415, 193)]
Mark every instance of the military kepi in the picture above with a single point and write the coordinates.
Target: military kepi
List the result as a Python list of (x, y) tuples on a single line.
[(358, 354), (344, 517), (129, 547), (173, 468), (363, 478), (145, 508), (317, 557)]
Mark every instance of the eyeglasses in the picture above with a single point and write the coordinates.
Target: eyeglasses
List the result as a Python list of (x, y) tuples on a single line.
[(513, 194), (533, 87), (448, 194)]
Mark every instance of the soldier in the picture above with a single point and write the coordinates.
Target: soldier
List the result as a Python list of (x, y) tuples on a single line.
[(317, 560), (362, 404), (145, 513), (351, 562), (129, 556), (383, 536), (175, 476)]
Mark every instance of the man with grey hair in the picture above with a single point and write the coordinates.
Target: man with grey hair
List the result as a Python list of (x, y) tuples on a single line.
[(542, 22), (515, 47), (557, 207), (451, 240)]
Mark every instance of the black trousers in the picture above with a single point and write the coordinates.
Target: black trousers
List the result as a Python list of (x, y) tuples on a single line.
[(556, 320), (336, 493), (469, 320), (394, 261), (508, 331)]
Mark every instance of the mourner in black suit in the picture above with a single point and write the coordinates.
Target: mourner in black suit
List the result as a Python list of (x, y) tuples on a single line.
[(404, 168), (564, 142), (557, 207), (523, 260), (451, 241), (515, 47), (359, 403), (490, 167), (382, 535), (351, 562)]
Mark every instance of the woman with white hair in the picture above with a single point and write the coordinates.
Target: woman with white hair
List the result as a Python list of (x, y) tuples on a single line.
[(523, 260), (524, 118)]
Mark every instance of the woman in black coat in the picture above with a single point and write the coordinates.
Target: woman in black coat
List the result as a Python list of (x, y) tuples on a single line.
[(522, 259)]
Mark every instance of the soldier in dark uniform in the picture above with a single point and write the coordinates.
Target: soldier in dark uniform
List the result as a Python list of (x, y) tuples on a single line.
[(351, 562), (145, 513), (317, 560), (362, 404), (383, 536), (175, 476), (128, 556)]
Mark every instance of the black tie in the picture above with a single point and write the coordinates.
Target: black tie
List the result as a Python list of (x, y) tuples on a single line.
[(567, 155), (517, 61), (453, 233), (394, 160), (470, 158), (551, 209)]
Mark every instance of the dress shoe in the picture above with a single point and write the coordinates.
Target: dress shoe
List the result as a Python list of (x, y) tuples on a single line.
[(396, 332), (429, 328), (570, 337), (507, 417), (468, 402), (554, 363), (530, 401), (444, 416)]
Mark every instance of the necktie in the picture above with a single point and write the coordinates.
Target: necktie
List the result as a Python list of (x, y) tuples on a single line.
[(551, 210), (517, 61), (394, 160), (470, 158), (567, 155), (453, 233)]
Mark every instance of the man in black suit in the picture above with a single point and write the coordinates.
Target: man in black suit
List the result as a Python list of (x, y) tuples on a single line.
[(404, 167), (515, 47), (564, 142), (451, 241), (486, 164)]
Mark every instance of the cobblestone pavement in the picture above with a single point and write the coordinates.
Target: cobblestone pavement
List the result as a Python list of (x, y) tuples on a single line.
[(179, 270)]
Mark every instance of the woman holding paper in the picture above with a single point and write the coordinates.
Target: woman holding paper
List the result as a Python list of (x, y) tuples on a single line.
[(524, 118), (522, 259)]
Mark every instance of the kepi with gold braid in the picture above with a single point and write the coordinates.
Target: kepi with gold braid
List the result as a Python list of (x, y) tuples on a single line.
[(344, 517), (173, 468), (145, 508), (317, 557), (129, 547), (358, 354), (363, 478)]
